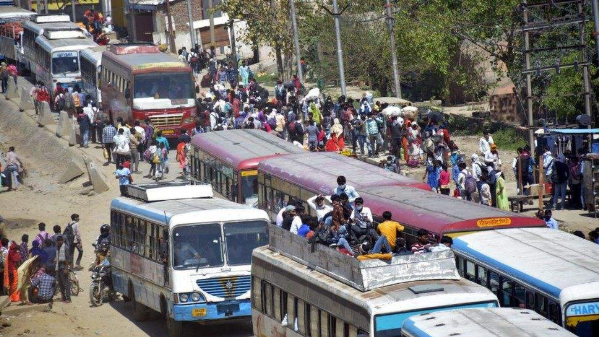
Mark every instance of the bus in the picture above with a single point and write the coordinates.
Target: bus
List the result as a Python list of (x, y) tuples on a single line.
[(11, 32), (180, 252), (302, 176), (302, 291), (139, 81), (550, 271), (61, 26), (481, 322), (439, 214), (57, 60), (91, 71), (229, 160)]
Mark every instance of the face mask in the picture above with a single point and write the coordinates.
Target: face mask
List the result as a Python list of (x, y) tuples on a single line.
[(547, 218), (342, 187), (359, 208)]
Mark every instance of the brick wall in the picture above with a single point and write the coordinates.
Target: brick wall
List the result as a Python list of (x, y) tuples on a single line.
[(179, 13), (504, 108)]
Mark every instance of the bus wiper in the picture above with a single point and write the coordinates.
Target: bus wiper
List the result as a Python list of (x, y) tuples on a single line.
[(202, 260)]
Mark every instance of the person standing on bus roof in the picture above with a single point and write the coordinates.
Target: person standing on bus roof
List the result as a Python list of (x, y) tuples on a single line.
[(342, 187)]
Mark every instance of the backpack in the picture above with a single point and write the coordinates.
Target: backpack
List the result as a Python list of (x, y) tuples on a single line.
[(76, 100), (148, 155), (292, 126), (69, 234), (484, 173), (122, 149), (60, 103), (470, 183), (42, 239)]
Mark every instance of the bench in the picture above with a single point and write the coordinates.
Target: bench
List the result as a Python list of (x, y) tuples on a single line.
[(517, 200)]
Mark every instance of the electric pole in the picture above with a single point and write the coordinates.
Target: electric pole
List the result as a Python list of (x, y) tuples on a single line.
[(300, 73), (73, 10), (171, 35), (391, 25), (212, 33), (233, 42), (531, 134), (596, 21), (336, 15), (192, 31)]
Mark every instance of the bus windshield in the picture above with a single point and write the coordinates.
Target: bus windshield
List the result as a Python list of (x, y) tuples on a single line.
[(249, 189), (164, 86), (65, 62), (389, 325), (241, 238), (583, 319), (197, 246)]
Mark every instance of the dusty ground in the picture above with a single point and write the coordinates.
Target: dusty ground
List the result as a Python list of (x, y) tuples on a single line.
[(42, 200)]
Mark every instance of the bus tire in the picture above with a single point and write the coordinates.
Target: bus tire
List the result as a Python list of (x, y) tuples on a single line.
[(175, 328), (140, 312)]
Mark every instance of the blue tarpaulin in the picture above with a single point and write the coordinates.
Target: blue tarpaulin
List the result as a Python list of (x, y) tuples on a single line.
[(573, 131)]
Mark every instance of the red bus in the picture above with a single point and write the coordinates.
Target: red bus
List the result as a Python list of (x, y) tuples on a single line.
[(138, 81), (439, 214), (229, 160)]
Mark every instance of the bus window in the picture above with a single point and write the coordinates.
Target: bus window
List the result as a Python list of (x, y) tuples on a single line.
[(530, 300), (541, 304), (555, 313), (267, 300), (314, 322), (257, 293), (481, 276), (241, 238), (249, 188), (197, 246), (519, 299), (507, 288), (179, 85), (470, 273), (494, 283)]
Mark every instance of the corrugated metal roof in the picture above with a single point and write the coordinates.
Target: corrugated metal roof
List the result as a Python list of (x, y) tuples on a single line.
[(551, 259), (319, 171), (238, 146), (484, 322)]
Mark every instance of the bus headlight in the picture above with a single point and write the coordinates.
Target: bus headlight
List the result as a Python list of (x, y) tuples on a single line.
[(197, 297), (183, 298)]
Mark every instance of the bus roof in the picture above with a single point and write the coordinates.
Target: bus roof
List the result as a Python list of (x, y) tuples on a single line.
[(188, 210), (483, 322), (93, 55), (12, 12), (64, 44), (308, 282), (141, 61), (318, 172), (438, 213), (39, 28), (556, 262), (243, 149)]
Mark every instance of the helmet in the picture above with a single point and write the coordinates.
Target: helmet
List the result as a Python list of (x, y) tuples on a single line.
[(105, 229)]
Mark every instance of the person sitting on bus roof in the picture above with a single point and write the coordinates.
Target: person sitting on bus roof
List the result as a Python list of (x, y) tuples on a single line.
[(317, 204), (342, 187), (423, 245), (307, 222), (338, 217), (361, 218), (296, 223), (388, 230), (445, 244)]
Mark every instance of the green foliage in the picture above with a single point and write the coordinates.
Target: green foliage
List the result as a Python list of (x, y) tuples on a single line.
[(509, 139)]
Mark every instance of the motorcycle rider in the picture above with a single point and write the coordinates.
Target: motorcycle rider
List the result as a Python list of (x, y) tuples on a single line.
[(103, 240)]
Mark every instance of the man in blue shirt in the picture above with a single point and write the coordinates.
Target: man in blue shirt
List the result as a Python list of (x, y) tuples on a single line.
[(123, 175), (342, 187), (46, 287), (549, 221)]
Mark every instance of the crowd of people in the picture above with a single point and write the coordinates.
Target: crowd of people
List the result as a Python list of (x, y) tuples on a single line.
[(33, 271), (347, 225)]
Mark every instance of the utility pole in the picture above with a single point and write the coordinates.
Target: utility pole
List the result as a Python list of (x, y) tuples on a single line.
[(300, 73), (171, 35), (46, 7), (192, 31), (339, 50), (212, 33), (73, 10), (531, 134), (596, 21), (37, 6), (585, 67), (233, 42), (391, 25)]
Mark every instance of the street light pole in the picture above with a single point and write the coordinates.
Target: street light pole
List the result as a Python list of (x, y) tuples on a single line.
[(192, 31), (391, 25), (596, 21), (171, 36), (73, 10), (339, 50), (300, 73)]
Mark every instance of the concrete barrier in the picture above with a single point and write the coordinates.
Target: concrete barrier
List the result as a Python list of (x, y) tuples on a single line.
[(45, 117), (72, 172), (63, 124), (12, 91), (97, 179), (26, 103), (72, 130)]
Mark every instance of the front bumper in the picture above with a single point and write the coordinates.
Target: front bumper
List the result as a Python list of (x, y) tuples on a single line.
[(212, 311)]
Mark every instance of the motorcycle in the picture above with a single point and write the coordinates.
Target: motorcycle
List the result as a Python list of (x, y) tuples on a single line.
[(100, 290)]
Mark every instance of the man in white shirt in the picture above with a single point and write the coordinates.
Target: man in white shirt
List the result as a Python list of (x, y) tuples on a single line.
[(318, 205), (485, 142), (361, 217), (279, 219), (297, 220)]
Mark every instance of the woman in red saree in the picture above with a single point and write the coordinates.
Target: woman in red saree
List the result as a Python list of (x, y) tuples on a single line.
[(336, 142), (11, 276)]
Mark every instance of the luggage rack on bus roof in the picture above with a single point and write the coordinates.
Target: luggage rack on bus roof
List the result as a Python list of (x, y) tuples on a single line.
[(169, 190), (364, 275)]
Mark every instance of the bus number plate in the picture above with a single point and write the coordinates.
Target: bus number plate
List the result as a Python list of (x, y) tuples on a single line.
[(168, 132), (199, 312)]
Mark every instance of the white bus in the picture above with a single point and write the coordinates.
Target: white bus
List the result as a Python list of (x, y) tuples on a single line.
[(550, 271), (495, 322), (57, 60), (293, 298), (59, 24), (178, 251), (11, 31), (91, 60)]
